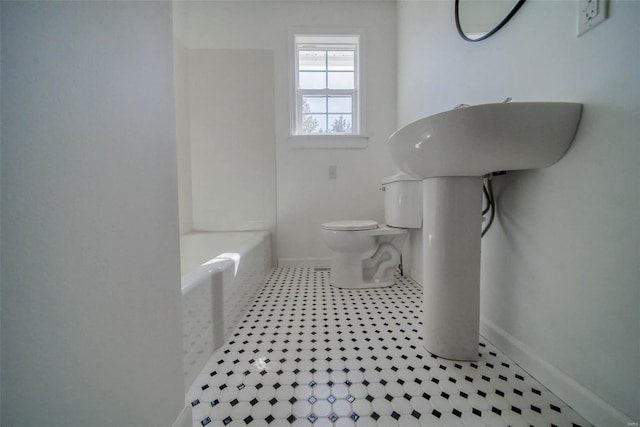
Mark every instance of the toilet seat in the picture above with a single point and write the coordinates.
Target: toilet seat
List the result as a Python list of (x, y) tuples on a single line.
[(351, 225)]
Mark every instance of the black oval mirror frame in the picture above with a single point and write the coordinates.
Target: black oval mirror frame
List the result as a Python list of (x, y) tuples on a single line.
[(494, 30)]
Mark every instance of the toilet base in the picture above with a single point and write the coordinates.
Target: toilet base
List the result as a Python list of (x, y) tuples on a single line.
[(362, 285), (362, 259), (350, 271)]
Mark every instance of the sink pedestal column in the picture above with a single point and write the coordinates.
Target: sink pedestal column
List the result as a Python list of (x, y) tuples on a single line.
[(452, 221)]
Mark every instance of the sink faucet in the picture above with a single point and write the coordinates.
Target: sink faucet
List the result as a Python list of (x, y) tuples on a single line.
[(507, 99)]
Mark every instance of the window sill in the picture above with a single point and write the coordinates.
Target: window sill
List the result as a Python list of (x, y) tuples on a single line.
[(310, 142)]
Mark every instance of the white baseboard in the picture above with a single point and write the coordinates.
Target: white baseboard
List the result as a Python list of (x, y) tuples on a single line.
[(184, 418), (414, 275), (304, 262), (586, 403)]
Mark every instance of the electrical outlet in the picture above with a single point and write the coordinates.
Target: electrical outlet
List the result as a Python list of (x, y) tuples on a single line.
[(590, 14)]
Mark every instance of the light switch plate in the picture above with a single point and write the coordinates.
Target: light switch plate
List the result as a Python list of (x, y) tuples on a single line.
[(333, 172)]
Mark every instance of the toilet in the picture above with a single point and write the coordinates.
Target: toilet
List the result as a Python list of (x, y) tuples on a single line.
[(365, 254)]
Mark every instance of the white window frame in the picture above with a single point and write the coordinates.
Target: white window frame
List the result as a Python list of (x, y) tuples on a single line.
[(356, 139)]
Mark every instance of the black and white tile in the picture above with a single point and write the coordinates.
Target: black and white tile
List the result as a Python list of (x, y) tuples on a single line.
[(309, 354)]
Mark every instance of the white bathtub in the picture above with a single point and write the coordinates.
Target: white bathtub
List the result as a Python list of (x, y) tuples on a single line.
[(221, 272)]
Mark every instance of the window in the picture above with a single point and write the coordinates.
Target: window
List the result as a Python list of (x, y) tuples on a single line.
[(326, 86)]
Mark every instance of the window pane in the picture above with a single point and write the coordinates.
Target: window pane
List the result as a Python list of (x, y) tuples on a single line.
[(341, 60), (341, 80), (314, 104), (314, 123), (340, 104), (326, 93), (312, 80), (312, 60), (340, 123)]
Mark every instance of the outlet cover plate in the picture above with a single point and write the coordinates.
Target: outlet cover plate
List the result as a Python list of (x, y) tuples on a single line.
[(590, 14)]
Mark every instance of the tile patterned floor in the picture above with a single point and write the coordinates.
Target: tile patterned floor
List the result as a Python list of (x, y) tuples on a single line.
[(309, 354)]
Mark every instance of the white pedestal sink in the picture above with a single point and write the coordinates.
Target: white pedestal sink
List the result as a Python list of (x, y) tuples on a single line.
[(451, 152)]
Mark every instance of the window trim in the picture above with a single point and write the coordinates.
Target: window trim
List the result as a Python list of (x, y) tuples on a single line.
[(358, 139)]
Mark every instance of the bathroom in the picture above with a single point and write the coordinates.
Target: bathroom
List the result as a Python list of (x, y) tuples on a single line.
[(91, 219)]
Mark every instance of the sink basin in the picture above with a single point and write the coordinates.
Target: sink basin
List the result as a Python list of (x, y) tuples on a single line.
[(477, 140), (451, 152)]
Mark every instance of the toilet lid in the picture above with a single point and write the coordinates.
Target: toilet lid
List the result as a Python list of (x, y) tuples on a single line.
[(351, 225)]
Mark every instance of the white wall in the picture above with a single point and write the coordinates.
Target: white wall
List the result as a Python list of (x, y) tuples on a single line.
[(560, 268), (183, 134), (232, 139), (90, 266), (305, 195), (0, 215)]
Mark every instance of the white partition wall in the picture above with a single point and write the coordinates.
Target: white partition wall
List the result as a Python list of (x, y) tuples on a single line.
[(90, 265)]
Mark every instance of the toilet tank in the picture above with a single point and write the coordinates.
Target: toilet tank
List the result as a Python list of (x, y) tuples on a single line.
[(403, 201)]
